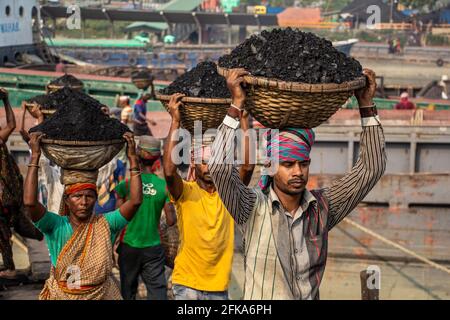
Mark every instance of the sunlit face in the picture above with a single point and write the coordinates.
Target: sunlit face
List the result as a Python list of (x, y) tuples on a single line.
[(292, 176), (81, 203)]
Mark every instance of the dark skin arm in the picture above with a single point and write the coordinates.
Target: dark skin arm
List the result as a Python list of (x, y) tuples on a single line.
[(33, 207), (119, 201), (129, 208), (10, 119), (365, 95), (234, 84), (169, 210), (173, 179), (171, 216), (37, 114)]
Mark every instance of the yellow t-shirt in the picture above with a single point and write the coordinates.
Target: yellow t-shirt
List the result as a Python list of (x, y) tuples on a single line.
[(206, 231)]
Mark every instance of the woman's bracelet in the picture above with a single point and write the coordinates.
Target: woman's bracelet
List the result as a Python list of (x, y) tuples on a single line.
[(235, 107), (135, 174), (33, 165)]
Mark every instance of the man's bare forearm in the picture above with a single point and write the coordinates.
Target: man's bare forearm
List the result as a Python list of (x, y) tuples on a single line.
[(170, 168), (10, 118), (135, 184), (174, 182)]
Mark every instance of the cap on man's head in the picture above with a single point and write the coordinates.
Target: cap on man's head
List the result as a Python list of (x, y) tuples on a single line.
[(149, 144), (404, 95)]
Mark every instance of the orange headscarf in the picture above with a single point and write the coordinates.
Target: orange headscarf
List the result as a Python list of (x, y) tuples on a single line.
[(72, 188)]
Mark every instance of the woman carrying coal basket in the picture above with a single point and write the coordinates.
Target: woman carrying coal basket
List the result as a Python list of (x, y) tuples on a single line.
[(80, 242)]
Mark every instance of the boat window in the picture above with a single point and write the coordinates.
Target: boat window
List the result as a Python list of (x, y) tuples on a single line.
[(21, 11), (7, 10)]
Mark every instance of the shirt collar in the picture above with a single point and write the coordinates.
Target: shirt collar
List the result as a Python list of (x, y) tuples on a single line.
[(307, 199)]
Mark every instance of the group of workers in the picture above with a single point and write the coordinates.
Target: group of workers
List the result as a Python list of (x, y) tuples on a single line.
[(285, 226)]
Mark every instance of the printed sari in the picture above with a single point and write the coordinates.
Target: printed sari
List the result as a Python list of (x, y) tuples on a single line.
[(84, 267)]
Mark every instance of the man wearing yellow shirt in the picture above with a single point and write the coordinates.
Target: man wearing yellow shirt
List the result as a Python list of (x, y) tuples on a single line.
[(203, 264)]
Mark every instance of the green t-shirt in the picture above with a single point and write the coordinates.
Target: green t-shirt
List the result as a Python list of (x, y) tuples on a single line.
[(142, 231), (58, 230)]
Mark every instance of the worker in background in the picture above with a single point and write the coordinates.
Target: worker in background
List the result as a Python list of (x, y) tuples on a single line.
[(140, 121), (445, 84), (126, 115), (404, 103), (11, 201)]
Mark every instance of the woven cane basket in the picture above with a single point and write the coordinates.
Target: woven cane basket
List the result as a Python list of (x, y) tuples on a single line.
[(81, 155), (170, 240), (209, 111), (280, 104)]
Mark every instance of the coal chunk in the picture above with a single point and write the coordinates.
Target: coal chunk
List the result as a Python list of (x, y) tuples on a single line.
[(80, 118), (292, 55), (203, 81), (56, 99), (66, 80)]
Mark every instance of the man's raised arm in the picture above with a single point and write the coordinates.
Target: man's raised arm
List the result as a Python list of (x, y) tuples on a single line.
[(345, 193), (173, 179), (237, 197)]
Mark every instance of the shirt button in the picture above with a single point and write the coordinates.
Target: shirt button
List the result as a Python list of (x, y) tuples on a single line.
[(296, 250), (298, 277)]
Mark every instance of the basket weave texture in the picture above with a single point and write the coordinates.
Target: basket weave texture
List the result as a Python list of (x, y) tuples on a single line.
[(280, 104), (210, 112), (81, 155), (170, 240)]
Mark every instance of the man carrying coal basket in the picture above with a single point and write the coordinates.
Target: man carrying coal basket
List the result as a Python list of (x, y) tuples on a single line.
[(286, 225)]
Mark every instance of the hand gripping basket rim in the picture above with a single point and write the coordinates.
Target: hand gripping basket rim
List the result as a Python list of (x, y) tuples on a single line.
[(358, 83), (29, 105)]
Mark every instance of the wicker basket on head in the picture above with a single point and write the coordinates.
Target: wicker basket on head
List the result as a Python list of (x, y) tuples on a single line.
[(207, 110), (31, 106), (81, 155), (280, 104)]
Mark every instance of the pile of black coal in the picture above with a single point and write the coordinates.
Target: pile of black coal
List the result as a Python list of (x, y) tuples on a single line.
[(66, 80), (292, 55), (203, 81), (80, 118), (63, 96)]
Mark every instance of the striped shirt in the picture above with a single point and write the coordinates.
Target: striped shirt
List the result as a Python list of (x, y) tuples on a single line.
[(280, 261)]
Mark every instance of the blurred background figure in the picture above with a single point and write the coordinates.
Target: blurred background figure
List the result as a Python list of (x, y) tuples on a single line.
[(404, 103), (126, 115)]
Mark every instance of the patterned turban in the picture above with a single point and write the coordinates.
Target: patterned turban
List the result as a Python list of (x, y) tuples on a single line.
[(290, 144)]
